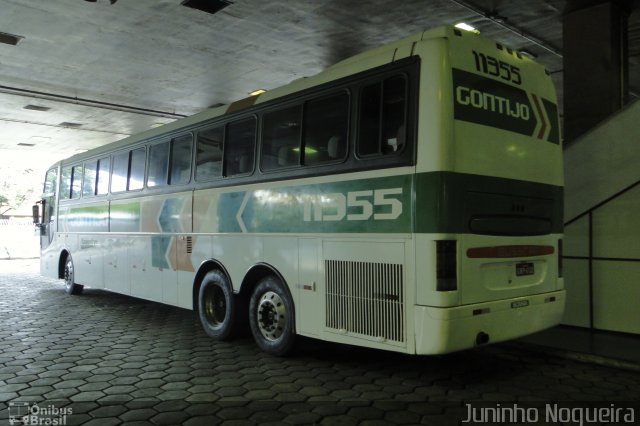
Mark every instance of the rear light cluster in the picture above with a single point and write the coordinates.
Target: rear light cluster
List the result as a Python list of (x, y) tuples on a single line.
[(560, 258), (446, 265)]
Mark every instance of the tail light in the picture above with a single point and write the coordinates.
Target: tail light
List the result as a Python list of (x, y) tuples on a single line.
[(560, 258), (446, 265)]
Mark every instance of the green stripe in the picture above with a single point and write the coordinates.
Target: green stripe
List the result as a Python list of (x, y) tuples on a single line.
[(380, 205), (446, 202)]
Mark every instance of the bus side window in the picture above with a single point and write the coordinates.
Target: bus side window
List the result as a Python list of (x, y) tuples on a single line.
[(136, 173), (209, 153), (180, 160), (158, 164), (382, 128), (239, 149), (102, 184), (65, 183), (325, 129), (281, 138), (120, 172), (76, 181), (89, 181), (128, 170)]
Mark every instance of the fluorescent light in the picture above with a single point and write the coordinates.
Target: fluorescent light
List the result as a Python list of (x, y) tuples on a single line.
[(257, 92), (466, 27)]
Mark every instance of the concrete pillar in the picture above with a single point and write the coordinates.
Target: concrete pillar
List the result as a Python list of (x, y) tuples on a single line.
[(595, 63)]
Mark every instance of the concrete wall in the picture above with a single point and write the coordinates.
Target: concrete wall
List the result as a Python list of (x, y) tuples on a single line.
[(602, 238)]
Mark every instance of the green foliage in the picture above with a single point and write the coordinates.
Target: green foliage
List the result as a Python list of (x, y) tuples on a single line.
[(16, 187)]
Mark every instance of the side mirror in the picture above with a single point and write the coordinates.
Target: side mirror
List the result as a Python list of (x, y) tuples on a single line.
[(35, 211)]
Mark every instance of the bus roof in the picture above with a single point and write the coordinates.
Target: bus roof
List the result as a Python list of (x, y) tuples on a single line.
[(360, 62)]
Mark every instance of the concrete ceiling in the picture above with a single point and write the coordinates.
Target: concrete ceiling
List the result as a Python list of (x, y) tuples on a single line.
[(104, 71)]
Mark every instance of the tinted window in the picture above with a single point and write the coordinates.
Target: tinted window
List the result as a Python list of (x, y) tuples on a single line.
[(382, 128), (325, 129), (89, 182), (209, 154), (158, 164), (180, 160), (103, 176), (281, 138), (76, 181), (240, 147), (136, 175)]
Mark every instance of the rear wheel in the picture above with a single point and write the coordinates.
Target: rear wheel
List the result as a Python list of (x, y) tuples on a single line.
[(271, 317), (69, 278), (217, 306)]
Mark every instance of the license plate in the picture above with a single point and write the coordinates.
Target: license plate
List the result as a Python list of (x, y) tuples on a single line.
[(519, 304), (523, 269)]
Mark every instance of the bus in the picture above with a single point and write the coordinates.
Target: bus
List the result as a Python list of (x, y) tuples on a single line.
[(408, 198)]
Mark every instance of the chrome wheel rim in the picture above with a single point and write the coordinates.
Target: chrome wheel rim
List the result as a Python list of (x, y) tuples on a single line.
[(68, 274), (271, 316)]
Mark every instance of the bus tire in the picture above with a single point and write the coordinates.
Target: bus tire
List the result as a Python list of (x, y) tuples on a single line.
[(217, 307), (271, 317), (69, 277)]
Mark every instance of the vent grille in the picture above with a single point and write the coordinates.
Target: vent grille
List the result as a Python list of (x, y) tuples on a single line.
[(189, 245), (365, 298)]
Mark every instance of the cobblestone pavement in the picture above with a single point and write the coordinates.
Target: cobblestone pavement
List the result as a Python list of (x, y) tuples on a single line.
[(109, 360)]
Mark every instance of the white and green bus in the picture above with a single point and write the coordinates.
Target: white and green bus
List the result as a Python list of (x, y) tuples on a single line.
[(408, 198)]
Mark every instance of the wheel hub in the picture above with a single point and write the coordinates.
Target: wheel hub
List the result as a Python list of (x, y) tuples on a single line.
[(271, 316), (215, 306), (68, 274)]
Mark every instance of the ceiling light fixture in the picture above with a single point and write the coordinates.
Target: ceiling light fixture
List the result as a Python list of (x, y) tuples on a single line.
[(69, 124), (209, 6), (528, 53), (36, 108), (466, 27), (257, 92), (10, 39)]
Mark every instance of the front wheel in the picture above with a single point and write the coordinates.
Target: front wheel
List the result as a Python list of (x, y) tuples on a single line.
[(271, 317), (69, 278)]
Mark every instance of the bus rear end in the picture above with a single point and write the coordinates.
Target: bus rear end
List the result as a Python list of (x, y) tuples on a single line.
[(494, 215)]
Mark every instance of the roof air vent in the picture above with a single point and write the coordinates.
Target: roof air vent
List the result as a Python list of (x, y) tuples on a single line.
[(209, 6)]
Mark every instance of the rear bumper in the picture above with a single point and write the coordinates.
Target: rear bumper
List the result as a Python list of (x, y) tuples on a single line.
[(443, 330)]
